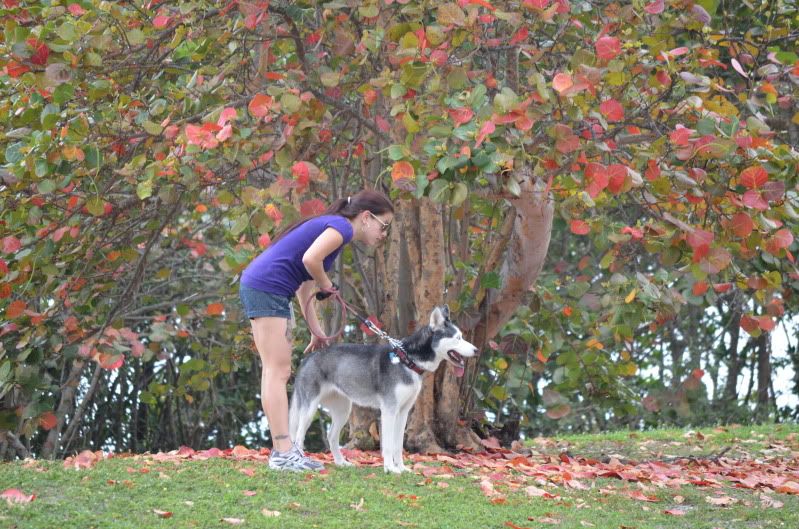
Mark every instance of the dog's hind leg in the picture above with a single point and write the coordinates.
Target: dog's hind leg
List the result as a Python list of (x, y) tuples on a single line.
[(339, 407), (300, 417)]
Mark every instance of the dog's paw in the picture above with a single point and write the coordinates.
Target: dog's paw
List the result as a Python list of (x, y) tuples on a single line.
[(392, 470), (344, 463)]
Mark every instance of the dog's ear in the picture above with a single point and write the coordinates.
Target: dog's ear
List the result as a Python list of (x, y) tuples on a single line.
[(445, 311), (438, 318)]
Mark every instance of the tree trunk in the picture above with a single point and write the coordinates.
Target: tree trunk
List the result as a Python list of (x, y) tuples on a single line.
[(523, 259), (763, 376), (426, 253)]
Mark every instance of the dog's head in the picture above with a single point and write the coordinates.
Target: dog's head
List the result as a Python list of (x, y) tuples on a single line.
[(448, 343)]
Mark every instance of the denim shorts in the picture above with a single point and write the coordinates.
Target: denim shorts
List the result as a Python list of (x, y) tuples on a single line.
[(259, 304)]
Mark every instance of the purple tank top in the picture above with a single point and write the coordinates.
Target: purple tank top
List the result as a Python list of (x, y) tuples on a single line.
[(279, 269)]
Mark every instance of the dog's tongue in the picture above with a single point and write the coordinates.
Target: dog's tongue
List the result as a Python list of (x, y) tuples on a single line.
[(458, 370)]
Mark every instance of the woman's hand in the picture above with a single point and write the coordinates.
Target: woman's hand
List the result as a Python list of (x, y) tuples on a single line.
[(316, 343)]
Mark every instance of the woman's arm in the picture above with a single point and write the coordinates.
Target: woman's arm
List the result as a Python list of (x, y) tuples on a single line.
[(314, 256), (304, 293)]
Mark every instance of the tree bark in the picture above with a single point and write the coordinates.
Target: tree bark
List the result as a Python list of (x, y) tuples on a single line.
[(763, 376)]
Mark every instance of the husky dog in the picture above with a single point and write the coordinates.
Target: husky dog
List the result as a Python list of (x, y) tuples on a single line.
[(374, 376)]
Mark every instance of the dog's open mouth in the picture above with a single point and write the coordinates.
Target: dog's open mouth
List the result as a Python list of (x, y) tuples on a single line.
[(457, 363)]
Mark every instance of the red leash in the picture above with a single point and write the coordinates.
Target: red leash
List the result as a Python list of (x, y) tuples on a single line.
[(336, 295)]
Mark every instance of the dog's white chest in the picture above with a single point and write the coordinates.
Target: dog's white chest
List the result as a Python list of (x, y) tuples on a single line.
[(405, 393)]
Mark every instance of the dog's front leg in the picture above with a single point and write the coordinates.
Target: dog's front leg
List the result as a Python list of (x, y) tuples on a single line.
[(399, 437), (388, 423)]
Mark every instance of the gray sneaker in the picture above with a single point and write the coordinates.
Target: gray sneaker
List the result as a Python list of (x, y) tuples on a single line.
[(294, 460)]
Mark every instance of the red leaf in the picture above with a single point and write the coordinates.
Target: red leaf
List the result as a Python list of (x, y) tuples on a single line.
[(562, 82), (260, 105), (76, 10), (617, 175), (461, 115), (17, 496), (111, 362), (402, 170), (264, 240), (487, 128), (612, 110), (48, 420), (749, 324), (634, 232), (753, 199), (607, 47), (579, 227), (162, 514), (754, 177), (680, 136), (15, 309), (215, 309), (765, 323), (655, 8), (596, 176), (202, 135), (161, 21), (699, 288), (537, 4), (779, 241), (520, 36), (742, 225), (699, 239), (40, 51), (11, 244), (15, 69), (312, 207), (720, 288)]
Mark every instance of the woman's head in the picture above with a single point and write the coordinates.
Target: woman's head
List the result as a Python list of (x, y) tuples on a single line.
[(370, 213)]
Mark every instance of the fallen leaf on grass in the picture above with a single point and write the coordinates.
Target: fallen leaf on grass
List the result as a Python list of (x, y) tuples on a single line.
[(638, 495), (358, 506), (678, 499), (535, 492), (721, 501), (162, 514), (17, 496), (249, 492), (768, 501), (514, 526), (250, 472), (677, 511), (233, 521), (545, 519), (586, 524), (789, 487), (270, 514)]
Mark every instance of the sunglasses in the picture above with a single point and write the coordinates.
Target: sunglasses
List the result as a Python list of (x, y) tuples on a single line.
[(384, 226)]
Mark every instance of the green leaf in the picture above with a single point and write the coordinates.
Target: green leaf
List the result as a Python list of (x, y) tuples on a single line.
[(95, 205), (439, 191), (490, 280), (94, 157), (459, 194), (240, 225), (63, 93), (144, 189), (398, 152), (290, 103)]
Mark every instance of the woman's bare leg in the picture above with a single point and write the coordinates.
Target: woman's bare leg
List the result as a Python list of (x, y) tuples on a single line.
[(274, 349)]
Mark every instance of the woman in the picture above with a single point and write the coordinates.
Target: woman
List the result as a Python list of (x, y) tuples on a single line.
[(296, 263)]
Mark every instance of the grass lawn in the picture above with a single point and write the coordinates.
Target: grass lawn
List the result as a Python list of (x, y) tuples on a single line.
[(542, 488)]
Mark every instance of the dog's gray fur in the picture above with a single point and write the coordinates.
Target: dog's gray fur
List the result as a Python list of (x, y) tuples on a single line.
[(364, 374)]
